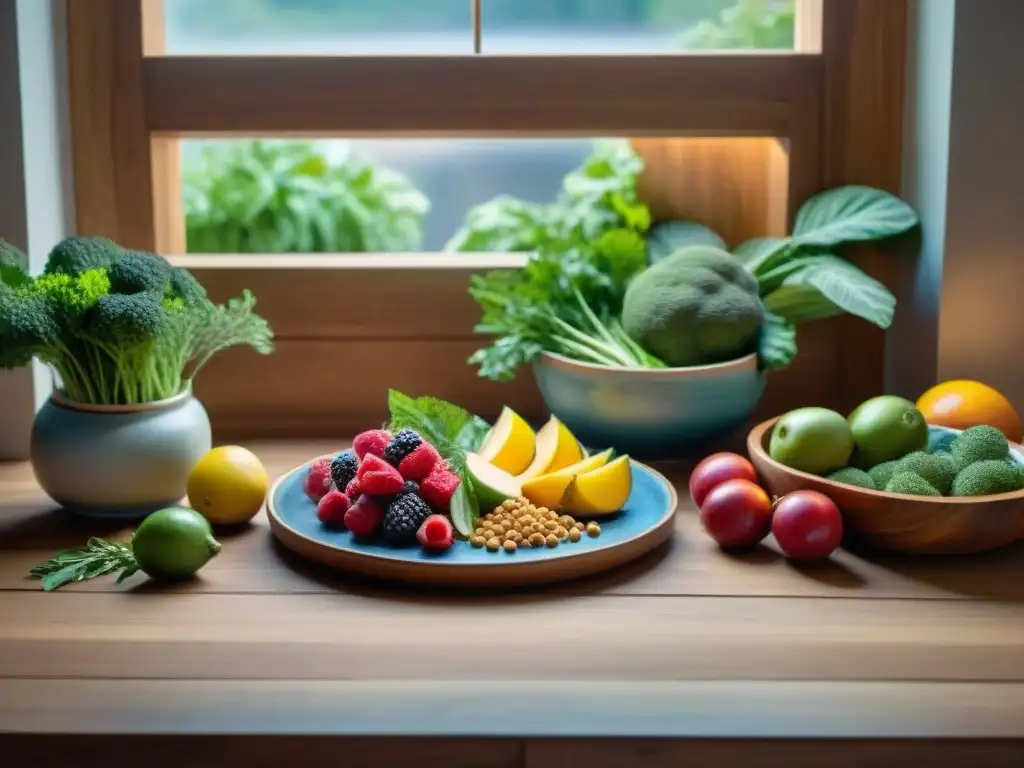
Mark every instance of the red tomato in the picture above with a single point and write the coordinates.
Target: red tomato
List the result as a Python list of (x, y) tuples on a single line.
[(716, 469), (736, 514), (807, 525)]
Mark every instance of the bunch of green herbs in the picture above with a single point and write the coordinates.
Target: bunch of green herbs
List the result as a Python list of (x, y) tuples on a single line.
[(584, 248), (118, 326), (264, 196)]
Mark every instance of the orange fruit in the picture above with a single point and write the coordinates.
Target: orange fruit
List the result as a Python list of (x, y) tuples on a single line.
[(963, 403)]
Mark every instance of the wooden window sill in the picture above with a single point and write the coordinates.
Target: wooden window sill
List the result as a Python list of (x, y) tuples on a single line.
[(685, 644)]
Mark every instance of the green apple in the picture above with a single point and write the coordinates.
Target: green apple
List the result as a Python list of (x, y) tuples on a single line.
[(815, 440), (885, 428)]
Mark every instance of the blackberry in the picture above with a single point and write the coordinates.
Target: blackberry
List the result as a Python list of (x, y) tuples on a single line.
[(344, 468), (411, 486), (401, 445), (403, 518)]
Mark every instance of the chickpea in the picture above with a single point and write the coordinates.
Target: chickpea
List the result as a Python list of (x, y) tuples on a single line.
[(507, 504), (477, 541), (561, 533), (493, 544), (510, 546), (551, 525), (536, 539), (593, 529), (574, 535), (579, 527), (551, 540)]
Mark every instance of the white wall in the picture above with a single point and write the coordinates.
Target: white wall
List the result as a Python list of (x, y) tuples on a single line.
[(36, 191), (961, 314)]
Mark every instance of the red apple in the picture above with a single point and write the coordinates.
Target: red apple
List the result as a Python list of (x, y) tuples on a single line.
[(807, 525), (736, 514), (716, 469)]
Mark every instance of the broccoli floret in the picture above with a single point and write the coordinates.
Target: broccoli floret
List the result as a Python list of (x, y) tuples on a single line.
[(881, 474), (910, 484), (138, 272), (938, 471), (12, 257), (698, 306), (27, 327), (981, 443), (983, 478), (185, 287), (70, 298), (75, 255), (123, 321), (852, 476)]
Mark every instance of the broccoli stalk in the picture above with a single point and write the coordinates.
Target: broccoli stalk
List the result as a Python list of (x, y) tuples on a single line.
[(117, 326)]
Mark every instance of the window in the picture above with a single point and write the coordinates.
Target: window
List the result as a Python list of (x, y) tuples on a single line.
[(740, 108)]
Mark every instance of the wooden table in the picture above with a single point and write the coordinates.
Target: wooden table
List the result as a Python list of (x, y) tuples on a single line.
[(689, 657)]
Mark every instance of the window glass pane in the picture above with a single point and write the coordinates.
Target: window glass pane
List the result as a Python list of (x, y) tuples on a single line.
[(395, 27), (635, 26), (317, 27), (434, 194)]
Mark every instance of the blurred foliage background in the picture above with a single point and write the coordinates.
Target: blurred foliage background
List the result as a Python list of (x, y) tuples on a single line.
[(267, 196)]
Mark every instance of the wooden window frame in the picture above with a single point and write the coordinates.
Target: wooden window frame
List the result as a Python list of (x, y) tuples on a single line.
[(833, 108)]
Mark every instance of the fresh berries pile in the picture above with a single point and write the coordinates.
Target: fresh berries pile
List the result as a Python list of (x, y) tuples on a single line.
[(394, 488)]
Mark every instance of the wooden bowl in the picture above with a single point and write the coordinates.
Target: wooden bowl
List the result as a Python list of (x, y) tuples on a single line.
[(898, 522)]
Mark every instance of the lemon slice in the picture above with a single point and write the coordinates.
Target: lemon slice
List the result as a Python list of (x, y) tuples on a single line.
[(511, 443), (601, 491), (548, 490), (556, 448)]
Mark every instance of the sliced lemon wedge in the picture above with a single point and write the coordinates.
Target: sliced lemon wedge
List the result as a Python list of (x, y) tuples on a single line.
[(556, 448), (511, 443), (548, 490), (602, 491)]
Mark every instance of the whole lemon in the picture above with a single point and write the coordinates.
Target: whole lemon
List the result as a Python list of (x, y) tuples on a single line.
[(228, 485)]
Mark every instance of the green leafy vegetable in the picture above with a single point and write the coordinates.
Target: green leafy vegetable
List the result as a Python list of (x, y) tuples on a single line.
[(584, 248), (284, 196), (851, 214), (120, 326), (451, 429), (749, 24), (777, 342), (98, 557), (846, 287), (666, 238)]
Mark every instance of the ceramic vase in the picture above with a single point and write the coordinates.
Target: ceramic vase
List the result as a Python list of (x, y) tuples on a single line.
[(118, 461)]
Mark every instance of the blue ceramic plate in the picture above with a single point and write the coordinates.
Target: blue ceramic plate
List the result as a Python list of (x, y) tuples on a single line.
[(646, 521)]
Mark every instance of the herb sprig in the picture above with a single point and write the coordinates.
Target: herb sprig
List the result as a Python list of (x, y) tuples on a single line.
[(97, 558)]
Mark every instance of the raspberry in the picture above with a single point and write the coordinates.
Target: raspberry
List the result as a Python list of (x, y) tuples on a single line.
[(363, 518), (332, 508), (352, 490), (401, 445), (344, 468), (436, 533), (378, 478), (419, 461), (318, 480), (438, 487), (373, 441)]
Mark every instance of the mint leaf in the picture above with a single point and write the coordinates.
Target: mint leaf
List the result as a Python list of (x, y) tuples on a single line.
[(451, 429)]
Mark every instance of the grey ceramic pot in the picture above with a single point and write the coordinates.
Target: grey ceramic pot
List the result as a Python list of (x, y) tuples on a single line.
[(649, 413), (121, 461)]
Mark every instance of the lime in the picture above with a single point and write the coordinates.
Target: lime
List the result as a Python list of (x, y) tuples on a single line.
[(815, 440), (173, 543), (886, 428)]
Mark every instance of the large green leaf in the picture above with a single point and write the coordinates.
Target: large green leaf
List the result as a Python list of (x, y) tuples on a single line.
[(851, 214), (776, 342), (847, 287), (800, 304), (666, 238), (763, 253)]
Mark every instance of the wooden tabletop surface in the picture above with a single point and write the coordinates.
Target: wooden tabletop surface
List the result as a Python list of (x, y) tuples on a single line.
[(687, 642)]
